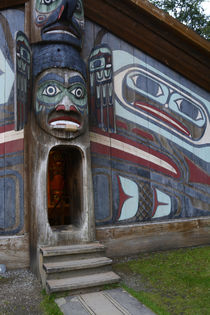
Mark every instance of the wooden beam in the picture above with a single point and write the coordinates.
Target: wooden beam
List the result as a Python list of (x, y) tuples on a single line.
[(133, 239), (156, 33), (4, 4), (14, 251)]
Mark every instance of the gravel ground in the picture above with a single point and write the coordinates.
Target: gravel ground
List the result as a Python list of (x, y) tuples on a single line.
[(20, 290), (20, 293)]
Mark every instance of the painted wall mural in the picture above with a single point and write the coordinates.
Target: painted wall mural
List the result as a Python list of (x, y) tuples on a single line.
[(22, 88), (101, 85), (11, 142), (152, 162)]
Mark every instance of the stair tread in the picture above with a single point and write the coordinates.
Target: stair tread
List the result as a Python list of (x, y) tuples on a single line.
[(82, 281), (76, 264), (72, 249)]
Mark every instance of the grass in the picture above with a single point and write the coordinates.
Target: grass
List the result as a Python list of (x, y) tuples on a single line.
[(48, 304), (174, 282)]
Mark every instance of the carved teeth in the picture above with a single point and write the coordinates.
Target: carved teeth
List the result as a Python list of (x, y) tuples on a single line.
[(61, 32), (64, 124)]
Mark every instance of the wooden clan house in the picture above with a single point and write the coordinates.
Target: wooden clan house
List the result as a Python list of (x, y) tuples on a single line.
[(104, 136)]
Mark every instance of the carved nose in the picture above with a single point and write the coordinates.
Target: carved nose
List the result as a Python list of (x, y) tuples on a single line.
[(65, 104), (73, 108), (60, 107)]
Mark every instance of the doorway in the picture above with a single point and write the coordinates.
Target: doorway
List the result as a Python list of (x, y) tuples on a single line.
[(64, 187)]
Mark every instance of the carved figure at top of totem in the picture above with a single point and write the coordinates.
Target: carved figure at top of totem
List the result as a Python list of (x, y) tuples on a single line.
[(58, 20), (60, 93)]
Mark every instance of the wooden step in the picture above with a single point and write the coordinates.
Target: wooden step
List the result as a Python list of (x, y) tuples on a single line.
[(71, 250), (53, 267), (70, 284)]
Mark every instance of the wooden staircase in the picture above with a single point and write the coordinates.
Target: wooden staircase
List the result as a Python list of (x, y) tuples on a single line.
[(76, 268)]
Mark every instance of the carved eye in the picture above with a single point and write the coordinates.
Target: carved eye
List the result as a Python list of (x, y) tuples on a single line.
[(78, 92), (51, 90), (47, 2), (78, 7)]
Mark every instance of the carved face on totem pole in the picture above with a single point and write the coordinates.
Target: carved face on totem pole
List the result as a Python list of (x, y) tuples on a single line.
[(60, 93), (58, 20)]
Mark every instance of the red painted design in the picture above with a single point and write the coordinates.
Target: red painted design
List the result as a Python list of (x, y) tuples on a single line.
[(99, 148), (100, 131), (123, 197), (157, 203), (121, 125), (143, 134), (111, 117), (105, 116), (6, 128), (102, 149), (170, 121), (12, 146), (196, 174)]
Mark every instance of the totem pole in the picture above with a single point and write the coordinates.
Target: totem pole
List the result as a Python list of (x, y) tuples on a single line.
[(60, 194)]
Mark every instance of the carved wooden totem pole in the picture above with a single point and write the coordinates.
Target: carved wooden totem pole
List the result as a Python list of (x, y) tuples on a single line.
[(60, 183)]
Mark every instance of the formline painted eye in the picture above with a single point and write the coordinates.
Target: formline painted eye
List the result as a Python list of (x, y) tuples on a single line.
[(78, 92), (189, 109), (51, 90), (148, 85)]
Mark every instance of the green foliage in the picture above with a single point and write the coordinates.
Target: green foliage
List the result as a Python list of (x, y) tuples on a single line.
[(48, 304), (176, 282), (188, 12)]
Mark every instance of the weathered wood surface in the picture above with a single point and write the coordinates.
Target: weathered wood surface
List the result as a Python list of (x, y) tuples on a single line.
[(14, 251), (134, 239), (156, 33)]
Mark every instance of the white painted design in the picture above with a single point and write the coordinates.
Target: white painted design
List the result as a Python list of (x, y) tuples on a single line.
[(6, 79), (100, 139), (11, 136), (130, 206), (164, 204)]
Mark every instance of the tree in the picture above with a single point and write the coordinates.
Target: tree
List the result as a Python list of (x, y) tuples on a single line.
[(188, 12)]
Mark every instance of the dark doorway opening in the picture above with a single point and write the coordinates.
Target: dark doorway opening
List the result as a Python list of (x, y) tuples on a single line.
[(64, 186)]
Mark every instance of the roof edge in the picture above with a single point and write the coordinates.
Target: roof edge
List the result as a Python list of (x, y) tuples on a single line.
[(171, 22), (5, 4)]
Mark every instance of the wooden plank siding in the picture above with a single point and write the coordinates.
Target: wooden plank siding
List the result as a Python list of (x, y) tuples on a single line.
[(134, 239)]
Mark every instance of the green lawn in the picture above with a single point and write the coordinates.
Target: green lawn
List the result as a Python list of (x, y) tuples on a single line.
[(172, 282), (48, 304)]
